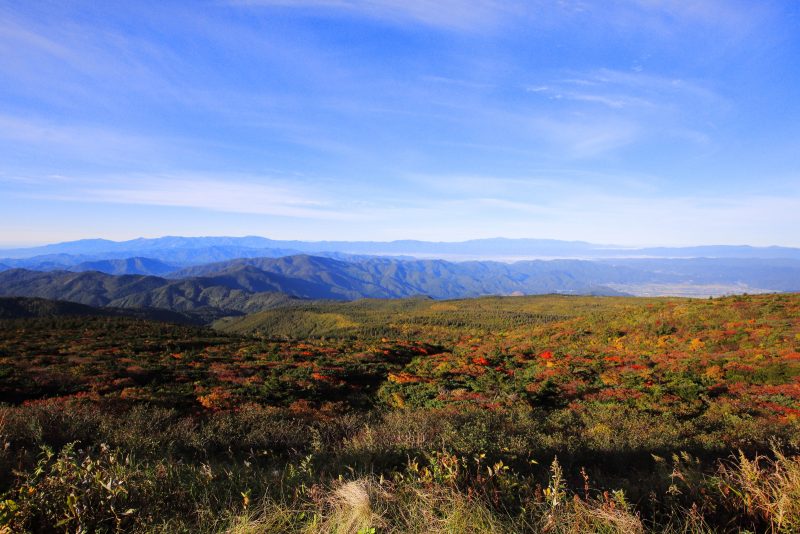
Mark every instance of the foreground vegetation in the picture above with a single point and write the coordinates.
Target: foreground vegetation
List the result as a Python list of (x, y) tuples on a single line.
[(534, 414)]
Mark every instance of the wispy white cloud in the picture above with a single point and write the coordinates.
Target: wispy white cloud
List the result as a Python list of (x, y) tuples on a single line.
[(627, 89), (230, 194), (83, 61), (595, 208), (601, 110), (542, 184), (581, 137), (734, 16), (275, 195), (91, 142), (447, 14), (634, 15), (108, 70)]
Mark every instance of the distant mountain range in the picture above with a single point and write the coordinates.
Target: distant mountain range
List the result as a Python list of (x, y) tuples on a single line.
[(189, 251)]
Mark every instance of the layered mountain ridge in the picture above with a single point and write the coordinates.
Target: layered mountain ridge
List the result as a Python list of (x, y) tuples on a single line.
[(210, 277), (186, 251)]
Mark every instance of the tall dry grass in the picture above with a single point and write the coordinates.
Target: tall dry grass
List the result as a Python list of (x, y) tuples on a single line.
[(765, 489), (370, 506)]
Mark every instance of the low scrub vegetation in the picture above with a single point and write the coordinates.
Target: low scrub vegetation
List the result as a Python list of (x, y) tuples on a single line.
[(546, 414)]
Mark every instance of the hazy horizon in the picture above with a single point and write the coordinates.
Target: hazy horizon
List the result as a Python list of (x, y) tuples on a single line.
[(615, 246), (8, 245)]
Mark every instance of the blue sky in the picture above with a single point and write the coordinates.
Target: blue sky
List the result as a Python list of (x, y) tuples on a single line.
[(628, 122)]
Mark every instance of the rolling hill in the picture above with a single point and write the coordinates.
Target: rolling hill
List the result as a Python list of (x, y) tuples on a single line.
[(148, 266), (23, 308), (26, 308), (207, 297)]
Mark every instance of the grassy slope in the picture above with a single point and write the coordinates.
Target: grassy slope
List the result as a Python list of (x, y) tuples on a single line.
[(423, 317), (450, 411)]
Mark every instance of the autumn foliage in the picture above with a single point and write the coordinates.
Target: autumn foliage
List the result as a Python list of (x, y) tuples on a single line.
[(615, 386)]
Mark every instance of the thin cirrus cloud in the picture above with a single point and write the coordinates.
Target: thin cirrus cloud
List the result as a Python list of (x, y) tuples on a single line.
[(446, 14), (587, 137), (605, 109), (41, 51), (630, 91), (70, 136), (69, 143), (540, 183), (227, 194), (522, 209), (481, 15)]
